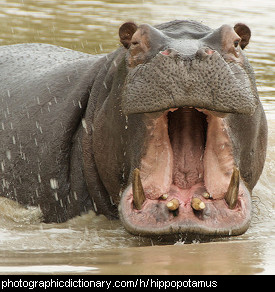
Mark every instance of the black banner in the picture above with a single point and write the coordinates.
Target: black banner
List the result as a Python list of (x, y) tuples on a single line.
[(40, 283)]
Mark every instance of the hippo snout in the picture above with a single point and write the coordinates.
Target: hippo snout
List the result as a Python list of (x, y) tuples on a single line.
[(203, 80)]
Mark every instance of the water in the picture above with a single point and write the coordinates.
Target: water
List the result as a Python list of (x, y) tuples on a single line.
[(91, 244)]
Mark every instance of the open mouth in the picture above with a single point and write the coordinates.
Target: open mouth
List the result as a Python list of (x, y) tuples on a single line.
[(187, 181)]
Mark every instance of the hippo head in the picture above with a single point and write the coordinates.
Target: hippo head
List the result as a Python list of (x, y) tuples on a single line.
[(186, 65), (184, 85)]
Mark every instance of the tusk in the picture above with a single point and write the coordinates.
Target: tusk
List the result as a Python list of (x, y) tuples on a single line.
[(173, 204), (197, 204), (231, 196), (138, 192)]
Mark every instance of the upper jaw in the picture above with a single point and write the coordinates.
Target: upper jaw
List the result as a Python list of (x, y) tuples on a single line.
[(204, 80), (200, 177)]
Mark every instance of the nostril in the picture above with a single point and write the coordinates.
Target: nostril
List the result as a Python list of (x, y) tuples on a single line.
[(166, 52), (203, 53), (209, 51), (170, 52)]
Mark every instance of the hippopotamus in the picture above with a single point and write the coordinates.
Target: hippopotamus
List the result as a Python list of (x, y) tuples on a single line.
[(166, 133)]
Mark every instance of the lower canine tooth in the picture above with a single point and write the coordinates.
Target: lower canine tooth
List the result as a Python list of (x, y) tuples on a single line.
[(231, 196), (173, 204), (197, 204), (138, 192)]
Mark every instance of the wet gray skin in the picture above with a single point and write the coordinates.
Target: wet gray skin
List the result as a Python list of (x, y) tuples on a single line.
[(167, 132)]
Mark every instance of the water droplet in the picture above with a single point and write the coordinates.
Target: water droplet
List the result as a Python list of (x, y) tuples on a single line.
[(54, 183), (112, 201), (5, 184), (95, 207), (48, 88), (120, 193), (84, 125), (8, 153)]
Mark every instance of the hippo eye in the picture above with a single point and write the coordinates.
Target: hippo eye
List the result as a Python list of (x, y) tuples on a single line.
[(135, 43), (236, 43)]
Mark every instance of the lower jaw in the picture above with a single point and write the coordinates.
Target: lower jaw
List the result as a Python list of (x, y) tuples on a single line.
[(215, 220)]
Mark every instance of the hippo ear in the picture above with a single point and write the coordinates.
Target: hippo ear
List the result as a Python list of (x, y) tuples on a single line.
[(244, 32), (126, 32)]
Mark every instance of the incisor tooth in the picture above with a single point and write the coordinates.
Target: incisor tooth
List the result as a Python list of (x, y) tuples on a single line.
[(206, 195), (197, 204), (164, 196), (138, 192), (173, 204)]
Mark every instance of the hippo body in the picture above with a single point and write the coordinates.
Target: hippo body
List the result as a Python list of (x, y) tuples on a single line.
[(173, 114)]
